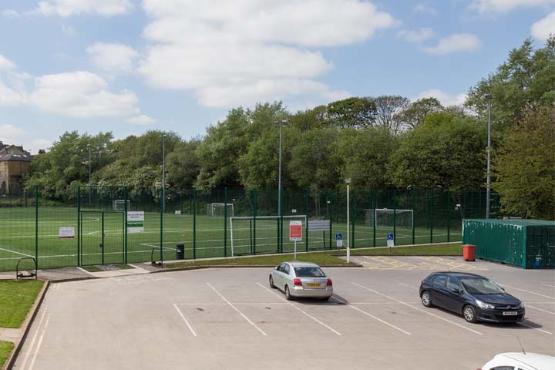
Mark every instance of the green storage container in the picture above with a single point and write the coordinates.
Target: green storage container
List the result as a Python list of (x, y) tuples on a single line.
[(523, 243)]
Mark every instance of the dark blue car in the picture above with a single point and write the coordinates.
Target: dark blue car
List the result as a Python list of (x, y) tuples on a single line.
[(473, 296)]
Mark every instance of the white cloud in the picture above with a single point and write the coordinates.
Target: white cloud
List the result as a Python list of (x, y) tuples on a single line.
[(545, 27), (141, 120), (66, 8), (112, 57), (502, 6), (457, 42), (10, 13), (446, 99), (9, 133), (241, 52), (5, 63), (83, 95), (416, 36), (424, 8)]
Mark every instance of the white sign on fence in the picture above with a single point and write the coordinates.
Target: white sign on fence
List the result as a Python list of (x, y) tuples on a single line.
[(135, 222), (66, 232), (318, 225)]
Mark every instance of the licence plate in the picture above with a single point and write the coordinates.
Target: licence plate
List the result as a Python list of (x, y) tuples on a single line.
[(313, 285), (510, 313)]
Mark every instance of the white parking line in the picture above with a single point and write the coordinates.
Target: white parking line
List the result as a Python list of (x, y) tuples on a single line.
[(539, 309), (302, 311), (417, 309), (236, 309), (549, 285), (375, 318), (186, 321), (533, 327), (39, 345), (528, 291), (30, 349)]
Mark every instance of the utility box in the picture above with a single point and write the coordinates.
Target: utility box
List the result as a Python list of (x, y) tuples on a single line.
[(523, 243)]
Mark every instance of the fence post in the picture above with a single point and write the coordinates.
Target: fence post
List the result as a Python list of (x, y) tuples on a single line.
[(125, 197), (79, 240), (352, 225), (448, 206), (430, 214), (225, 221), (413, 207), (375, 203), (306, 196), (36, 228), (254, 205), (162, 204), (194, 224), (328, 201)]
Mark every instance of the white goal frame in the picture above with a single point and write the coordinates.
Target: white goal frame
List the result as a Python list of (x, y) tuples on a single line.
[(391, 211), (211, 207), (304, 219), (122, 202)]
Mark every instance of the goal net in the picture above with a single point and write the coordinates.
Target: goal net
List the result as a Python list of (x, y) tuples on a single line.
[(218, 209), (260, 234), (389, 217), (119, 205)]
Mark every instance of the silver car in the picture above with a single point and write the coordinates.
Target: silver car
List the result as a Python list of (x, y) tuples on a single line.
[(301, 279)]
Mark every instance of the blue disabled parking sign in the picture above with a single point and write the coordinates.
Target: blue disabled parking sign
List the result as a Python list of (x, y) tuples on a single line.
[(390, 240), (339, 240)]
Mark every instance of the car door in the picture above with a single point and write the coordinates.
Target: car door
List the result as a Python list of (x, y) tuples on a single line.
[(285, 275), (453, 295), (278, 276), (439, 286)]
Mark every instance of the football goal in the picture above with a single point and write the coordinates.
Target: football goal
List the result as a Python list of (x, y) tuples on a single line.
[(246, 232), (119, 205), (389, 217), (218, 209)]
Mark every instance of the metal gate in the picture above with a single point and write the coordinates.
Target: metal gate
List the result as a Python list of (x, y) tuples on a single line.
[(101, 237)]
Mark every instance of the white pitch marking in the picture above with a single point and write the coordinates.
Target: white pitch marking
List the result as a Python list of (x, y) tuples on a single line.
[(528, 291), (186, 321), (533, 327), (39, 344), (21, 254), (30, 349), (236, 309), (417, 309), (540, 309), (302, 311)]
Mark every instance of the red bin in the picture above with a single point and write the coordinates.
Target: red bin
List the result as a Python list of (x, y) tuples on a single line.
[(469, 252)]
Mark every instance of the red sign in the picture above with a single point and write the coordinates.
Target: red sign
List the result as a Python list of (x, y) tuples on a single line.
[(295, 230)]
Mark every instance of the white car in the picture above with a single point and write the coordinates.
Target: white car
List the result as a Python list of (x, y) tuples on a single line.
[(301, 279), (520, 361)]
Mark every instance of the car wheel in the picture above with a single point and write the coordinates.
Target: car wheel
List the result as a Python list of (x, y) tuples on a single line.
[(426, 299), (287, 293), (272, 282), (469, 313)]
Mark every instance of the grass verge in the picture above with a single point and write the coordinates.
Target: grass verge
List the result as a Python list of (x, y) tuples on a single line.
[(16, 299), (419, 250), (5, 350), (322, 259)]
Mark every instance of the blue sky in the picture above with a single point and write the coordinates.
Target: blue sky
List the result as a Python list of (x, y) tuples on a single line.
[(127, 66)]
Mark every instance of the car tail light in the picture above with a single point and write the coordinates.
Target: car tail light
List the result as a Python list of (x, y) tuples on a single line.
[(329, 283), (297, 282)]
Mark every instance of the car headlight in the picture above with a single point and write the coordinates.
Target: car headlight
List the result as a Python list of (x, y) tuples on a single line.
[(484, 305)]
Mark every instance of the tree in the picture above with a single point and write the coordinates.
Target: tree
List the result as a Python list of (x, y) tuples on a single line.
[(388, 109), (525, 81), (183, 166), (525, 166), (352, 112), (417, 111), (446, 151), (365, 155)]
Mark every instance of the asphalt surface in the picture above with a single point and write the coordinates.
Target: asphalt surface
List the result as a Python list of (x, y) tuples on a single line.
[(231, 319)]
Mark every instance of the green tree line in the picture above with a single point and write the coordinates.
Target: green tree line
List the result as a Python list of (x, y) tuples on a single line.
[(377, 142)]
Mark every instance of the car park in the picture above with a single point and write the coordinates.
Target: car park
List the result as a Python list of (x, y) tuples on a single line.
[(301, 279), (520, 361), (475, 297)]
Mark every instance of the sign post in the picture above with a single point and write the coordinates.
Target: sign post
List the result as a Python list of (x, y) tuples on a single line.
[(339, 240), (295, 234), (390, 241)]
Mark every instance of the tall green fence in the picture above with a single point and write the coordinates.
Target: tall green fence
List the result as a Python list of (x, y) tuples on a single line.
[(110, 225)]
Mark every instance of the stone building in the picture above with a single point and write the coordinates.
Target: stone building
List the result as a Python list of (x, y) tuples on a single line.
[(15, 165)]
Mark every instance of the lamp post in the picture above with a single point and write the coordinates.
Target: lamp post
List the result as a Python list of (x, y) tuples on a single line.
[(281, 123), (348, 182), (488, 170)]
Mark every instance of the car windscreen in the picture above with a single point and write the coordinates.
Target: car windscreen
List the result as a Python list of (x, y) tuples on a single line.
[(481, 286), (309, 272)]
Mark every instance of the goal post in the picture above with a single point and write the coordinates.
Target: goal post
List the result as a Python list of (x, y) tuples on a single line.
[(119, 205), (254, 228), (218, 209), (390, 217)]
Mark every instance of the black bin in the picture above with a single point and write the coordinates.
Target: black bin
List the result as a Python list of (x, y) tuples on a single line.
[(180, 251)]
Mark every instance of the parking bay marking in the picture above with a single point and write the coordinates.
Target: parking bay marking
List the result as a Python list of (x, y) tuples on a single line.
[(185, 320), (30, 350), (540, 309), (302, 311), (236, 309), (372, 316), (417, 309), (535, 328), (528, 291)]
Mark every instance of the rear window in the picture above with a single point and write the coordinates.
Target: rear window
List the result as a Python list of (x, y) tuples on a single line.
[(309, 272)]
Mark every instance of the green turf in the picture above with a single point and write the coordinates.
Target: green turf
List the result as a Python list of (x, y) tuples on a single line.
[(320, 258), (16, 299), (421, 250), (5, 350), (17, 237)]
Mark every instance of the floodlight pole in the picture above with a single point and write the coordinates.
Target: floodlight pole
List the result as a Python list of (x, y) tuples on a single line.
[(348, 182), (488, 170), (281, 123), (90, 171), (163, 200)]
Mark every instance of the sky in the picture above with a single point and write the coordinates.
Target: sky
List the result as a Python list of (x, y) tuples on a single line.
[(129, 66)]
